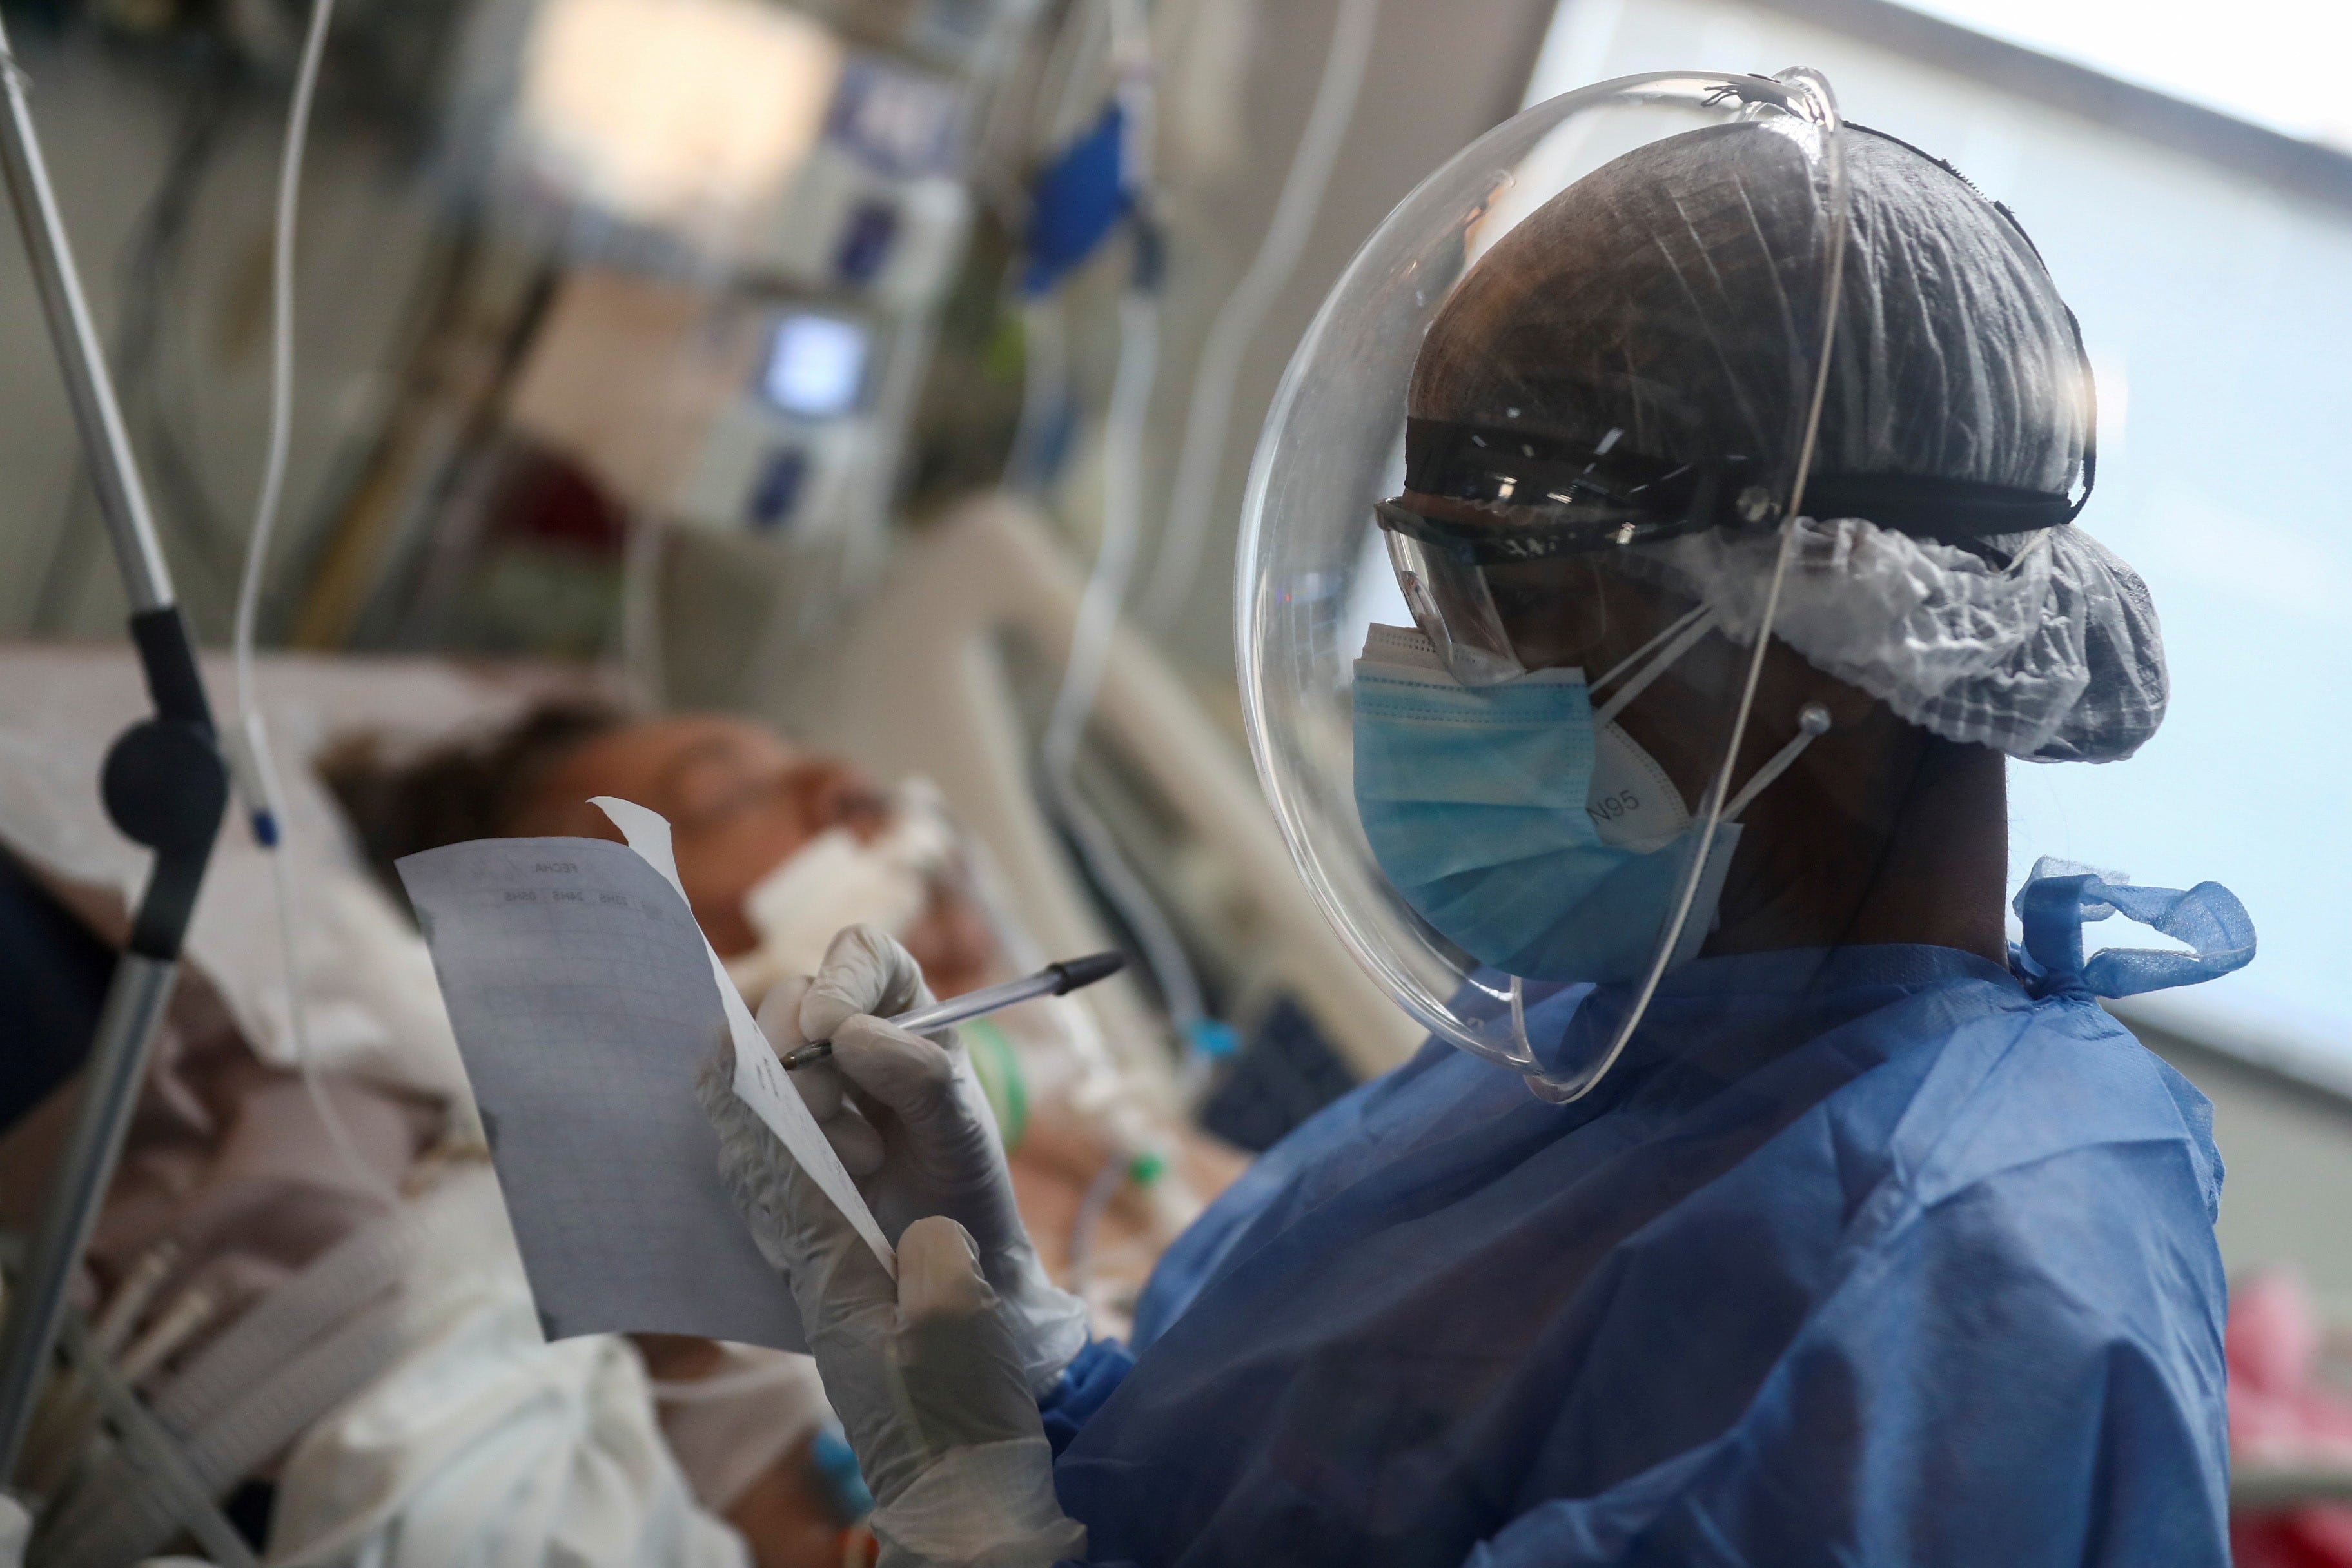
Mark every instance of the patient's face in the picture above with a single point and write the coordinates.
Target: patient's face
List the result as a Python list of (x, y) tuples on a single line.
[(739, 799)]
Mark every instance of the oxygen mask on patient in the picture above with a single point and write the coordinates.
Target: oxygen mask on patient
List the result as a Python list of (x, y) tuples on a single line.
[(838, 880)]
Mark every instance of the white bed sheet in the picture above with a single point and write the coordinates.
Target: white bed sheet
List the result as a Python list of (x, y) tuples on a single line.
[(369, 995)]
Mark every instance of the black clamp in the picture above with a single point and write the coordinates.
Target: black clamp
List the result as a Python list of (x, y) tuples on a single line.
[(165, 785)]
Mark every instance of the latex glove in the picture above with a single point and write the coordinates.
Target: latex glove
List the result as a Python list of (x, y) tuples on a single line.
[(914, 1129), (923, 1373)]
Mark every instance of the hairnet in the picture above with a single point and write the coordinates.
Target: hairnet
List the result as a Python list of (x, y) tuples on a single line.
[(1632, 303)]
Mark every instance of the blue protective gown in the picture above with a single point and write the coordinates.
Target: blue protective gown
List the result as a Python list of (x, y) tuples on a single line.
[(1887, 1255)]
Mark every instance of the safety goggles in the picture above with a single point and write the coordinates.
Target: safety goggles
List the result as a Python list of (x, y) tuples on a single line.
[(1495, 596)]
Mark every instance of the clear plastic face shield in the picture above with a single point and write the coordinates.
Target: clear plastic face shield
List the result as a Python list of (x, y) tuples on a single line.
[(1509, 749)]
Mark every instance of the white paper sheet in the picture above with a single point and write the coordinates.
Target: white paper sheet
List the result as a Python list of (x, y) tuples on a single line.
[(759, 1077), (584, 998)]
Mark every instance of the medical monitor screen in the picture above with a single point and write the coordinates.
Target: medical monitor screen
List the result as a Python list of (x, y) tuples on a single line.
[(815, 367)]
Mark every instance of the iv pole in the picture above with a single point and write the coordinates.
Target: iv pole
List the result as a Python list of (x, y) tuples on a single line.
[(165, 785)]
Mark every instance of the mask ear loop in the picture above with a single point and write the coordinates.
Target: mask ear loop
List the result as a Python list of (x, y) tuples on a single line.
[(1813, 723), (1679, 639), (1675, 628)]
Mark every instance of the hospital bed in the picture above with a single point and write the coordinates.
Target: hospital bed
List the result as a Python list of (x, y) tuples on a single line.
[(372, 999), (245, 1385), (937, 675)]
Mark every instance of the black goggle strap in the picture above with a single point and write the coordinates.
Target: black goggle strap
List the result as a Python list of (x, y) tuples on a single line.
[(1958, 512), (1949, 511)]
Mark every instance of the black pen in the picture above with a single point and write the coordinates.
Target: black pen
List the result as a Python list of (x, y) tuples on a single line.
[(1054, 980)]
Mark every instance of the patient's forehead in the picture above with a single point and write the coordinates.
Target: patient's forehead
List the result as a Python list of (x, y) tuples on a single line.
[(662, 764)]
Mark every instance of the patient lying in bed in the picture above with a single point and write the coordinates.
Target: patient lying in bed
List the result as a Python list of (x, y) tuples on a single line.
[(225, 1179), (777, 849), (741, 801)]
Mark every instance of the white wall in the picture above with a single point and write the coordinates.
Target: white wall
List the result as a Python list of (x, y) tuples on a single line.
[(2287, 1150)]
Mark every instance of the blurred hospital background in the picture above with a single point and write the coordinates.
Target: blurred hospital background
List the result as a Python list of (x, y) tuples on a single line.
[(888, 372)]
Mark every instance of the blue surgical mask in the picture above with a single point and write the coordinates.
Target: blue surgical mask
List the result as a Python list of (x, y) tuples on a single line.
[(1537, 838)]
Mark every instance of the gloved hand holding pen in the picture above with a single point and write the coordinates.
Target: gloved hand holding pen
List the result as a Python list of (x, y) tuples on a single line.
[(923, 1372), (910, 1123), (916, 1132), (935, 1377)]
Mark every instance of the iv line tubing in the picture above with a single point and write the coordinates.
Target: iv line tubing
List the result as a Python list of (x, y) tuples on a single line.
[(1201, 460), (1123, 422), (265, 798), (1114, 566), (1089, 655), (1098, 622), (281, 369)]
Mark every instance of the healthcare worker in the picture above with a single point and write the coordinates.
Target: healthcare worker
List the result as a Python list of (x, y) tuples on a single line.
[(1755, 1200)]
